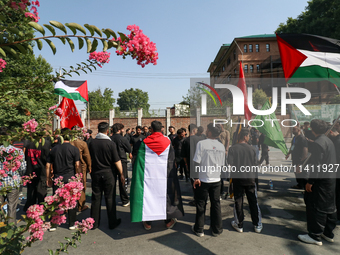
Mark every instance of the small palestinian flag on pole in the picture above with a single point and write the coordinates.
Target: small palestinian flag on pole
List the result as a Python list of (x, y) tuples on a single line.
[(307, 57), (76, 90), (155, 191)]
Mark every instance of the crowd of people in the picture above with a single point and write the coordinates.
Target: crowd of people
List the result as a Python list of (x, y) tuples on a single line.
[(105, 157)]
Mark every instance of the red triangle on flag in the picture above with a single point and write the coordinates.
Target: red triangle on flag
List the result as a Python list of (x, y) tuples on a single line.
[(70, 116), (242, 85), (157, 142), (83, 91), (291, 58)]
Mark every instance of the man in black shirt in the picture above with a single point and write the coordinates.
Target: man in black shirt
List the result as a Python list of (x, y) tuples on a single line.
[(135, 142), (64, 159), (299, 151), (123, 147), (145, 131), (172, 133), (320, 188), (128, 135), (242, 156), (105, 164), (255, 141), (177, 144)]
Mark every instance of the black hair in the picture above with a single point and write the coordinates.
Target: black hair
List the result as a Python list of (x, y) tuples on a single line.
[(156, 126), (127, 130), (139, 127), (180, 131), (184, 129), (244, 132), (318, 126), (215, 130), (191, 127), (66, 133), (89, 131), (200, 130), (116, 127), (306, 123), (103, 127), (172, 127)]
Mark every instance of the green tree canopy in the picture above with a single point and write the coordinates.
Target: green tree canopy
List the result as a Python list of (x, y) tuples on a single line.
[(321, 17), (132, 99), (259, 98), (101, 101)]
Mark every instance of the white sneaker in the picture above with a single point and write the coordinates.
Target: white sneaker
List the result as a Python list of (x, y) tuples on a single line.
[(52, 229), (127, 204), (235, 226), (72, 228), (328, 239), (258, 229), (307, 239), (196, 233)]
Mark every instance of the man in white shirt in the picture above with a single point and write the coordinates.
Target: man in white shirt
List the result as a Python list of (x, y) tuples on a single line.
[(209, 161)]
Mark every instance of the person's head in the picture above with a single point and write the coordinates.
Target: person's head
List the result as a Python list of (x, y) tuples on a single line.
[(149, 129), (117, 128), (103, 127), (90, 132), (337, 125), (128, 131), (172, 129), (318, 127), (243, 135), (132, 129), (145, 129), (200, 130), (185, 131), (162, 130), (296, 130), (156, 126), (213, 131), (180, 133), (65, 132), (192, 129), (306, 125), (139, 130)]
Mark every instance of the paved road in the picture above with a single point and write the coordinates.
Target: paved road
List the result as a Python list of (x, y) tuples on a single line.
[(283, 212)]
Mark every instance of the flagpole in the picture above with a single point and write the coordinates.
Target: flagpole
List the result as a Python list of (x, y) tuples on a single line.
[(59, 99), (88, 115)]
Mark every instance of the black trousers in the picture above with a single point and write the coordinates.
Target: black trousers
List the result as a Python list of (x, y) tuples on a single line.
[(104, 182), (251, 193), (318, 222), (71, 213), (36, 192), (337, 194), (124, 197), (182, 168), (201, 195), (264, 156)]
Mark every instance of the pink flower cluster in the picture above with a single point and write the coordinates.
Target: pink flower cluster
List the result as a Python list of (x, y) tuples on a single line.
[(101, 57), (25, 3), (11, 161), (30, 125), (85, 225), (139, 46), (2, 64), (27, 178), (35, 211), (37, 230), (59, 112), (51, 199), (52, 107), (58, 218), (70, 193)]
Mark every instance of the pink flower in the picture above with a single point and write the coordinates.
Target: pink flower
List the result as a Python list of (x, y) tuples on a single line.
[(58, 219), (85, 225), (30, 125), (52, 107), (2, 64), (59, 112), (100, 57), (35, 211)]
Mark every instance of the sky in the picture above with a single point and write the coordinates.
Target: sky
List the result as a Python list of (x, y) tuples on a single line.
[(187, 33)]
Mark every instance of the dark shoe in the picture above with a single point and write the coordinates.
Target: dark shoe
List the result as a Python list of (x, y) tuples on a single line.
[(85, 207), (181, 177), (215, 234), (146, 225), (192, 203), (118, 221), (171, 223)]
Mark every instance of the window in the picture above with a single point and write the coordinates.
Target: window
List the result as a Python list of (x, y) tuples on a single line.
[(252, 86), (245, 48), (234, 54), (223, 68), (258, 86), (250, 48), (258, 68), (267, 47), (251, 68), (229, 77), (215, 78), (228, 61), (257, 48), (235, 71), (246, 68)]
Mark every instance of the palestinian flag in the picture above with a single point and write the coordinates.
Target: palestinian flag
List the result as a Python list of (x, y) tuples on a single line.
[(155, 193), (307, 57), (76, 90)]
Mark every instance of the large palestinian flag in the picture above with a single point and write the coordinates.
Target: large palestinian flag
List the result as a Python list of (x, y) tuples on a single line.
[(76, 90), (307, 57), (155, 193)]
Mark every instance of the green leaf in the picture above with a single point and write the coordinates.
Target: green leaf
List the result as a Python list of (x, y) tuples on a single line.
[(21, 48), (84, 71), (77, 73), (15, 31), (10, 50), (107, 33), (62, 39), (94, 45), (123, 37), (105, 45), (36, 144), (50, 252), (2, 17), (43, 141), (70, 43), (77, 26), (90, 69), (111, 32), (97, 30), (58, 25), (52, 30), (67, 239), (37, 27), (30, 48), (90, 29), (89, 45), (39, 44), (53, 48), (74, 31), (2, 52), (62, 138), (80, 42)]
